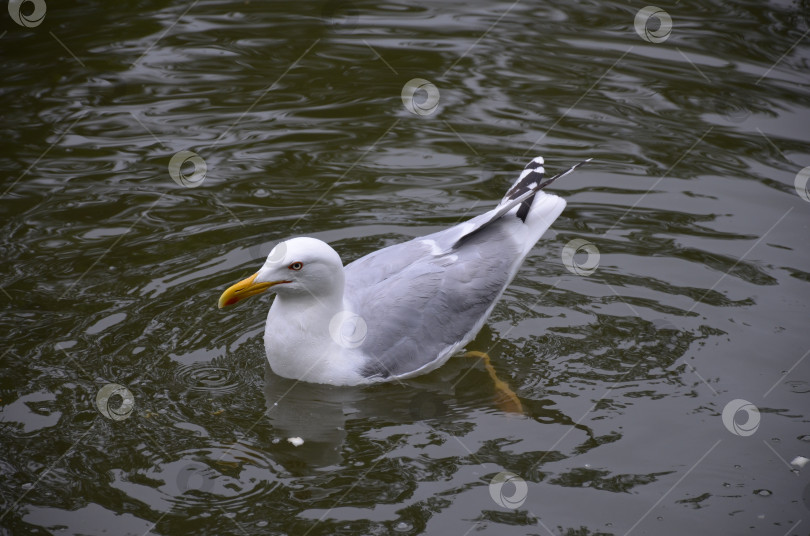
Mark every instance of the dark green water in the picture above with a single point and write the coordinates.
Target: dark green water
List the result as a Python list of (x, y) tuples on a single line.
[(111, 271)]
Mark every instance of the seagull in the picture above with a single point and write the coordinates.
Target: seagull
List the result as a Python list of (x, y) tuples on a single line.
[(401, 311)]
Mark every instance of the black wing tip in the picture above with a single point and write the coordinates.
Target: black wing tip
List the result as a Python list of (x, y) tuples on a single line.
[(563, 174), (514, 198), (531, 179)]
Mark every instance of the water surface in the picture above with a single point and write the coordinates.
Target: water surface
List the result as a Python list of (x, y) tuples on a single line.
[(111, 270)]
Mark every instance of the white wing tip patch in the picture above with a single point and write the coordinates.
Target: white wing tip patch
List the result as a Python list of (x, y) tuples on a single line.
[(434, 247)]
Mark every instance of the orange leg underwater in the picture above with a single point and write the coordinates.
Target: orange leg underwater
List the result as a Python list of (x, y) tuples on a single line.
[(505, 398)]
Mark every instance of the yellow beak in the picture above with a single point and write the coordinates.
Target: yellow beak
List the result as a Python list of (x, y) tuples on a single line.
[(245, 289)]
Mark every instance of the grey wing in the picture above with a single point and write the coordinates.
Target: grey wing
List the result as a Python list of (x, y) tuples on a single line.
[(418, 299)]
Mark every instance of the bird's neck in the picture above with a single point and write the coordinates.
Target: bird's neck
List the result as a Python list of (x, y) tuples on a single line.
[(307, 307), (299, 342)]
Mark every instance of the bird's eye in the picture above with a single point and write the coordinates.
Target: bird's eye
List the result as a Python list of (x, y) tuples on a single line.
[(296, 266)]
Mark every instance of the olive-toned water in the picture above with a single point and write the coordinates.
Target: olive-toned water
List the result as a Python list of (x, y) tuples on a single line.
[(111, 270)]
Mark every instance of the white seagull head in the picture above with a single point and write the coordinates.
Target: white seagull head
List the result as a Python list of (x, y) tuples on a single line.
[(304, 266)]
